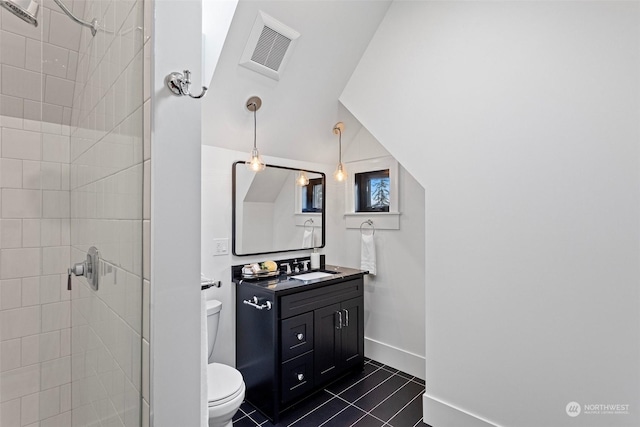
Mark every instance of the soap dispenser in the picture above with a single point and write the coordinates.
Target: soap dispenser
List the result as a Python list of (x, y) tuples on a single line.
[(315, 259)]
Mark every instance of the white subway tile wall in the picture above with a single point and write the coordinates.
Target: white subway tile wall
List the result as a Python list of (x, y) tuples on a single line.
[(35, 348), (21, 144), (72, 146)]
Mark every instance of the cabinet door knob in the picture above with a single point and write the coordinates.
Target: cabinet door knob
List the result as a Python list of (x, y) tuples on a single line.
[(300, 337), (300, 377), (339, 324)]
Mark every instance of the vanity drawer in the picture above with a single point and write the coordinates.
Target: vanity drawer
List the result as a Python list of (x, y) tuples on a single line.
[(297, 376), (302, 302), (297, 335)]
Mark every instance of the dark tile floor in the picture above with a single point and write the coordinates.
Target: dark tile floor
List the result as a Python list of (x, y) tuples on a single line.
[(376, 397)]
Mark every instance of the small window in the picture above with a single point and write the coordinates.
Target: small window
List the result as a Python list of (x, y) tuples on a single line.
[(373, 191), (312, 196)]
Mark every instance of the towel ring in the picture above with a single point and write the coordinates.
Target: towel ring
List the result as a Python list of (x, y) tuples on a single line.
[(370, 224), (310, 220)]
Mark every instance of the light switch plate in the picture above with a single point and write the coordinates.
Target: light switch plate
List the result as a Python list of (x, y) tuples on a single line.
[(221, 246)]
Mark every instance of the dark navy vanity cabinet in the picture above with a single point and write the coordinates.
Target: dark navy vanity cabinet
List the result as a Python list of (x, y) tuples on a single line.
[(293, 337)]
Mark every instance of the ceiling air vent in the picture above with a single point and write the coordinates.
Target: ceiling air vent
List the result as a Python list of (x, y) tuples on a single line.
[(269, 46)]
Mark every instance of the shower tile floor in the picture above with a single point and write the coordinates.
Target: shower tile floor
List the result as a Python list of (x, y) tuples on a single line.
[(379, 396)]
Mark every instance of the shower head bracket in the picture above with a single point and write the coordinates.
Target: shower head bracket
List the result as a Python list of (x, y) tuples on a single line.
[(93, 25)]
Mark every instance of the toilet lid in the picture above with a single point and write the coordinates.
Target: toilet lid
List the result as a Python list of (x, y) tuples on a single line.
[(223, 383)]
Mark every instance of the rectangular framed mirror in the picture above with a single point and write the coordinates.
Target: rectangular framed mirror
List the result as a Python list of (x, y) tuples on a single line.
[(273, 213)]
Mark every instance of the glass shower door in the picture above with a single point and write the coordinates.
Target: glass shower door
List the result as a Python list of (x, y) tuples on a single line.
[(71, 157), (106, 197)]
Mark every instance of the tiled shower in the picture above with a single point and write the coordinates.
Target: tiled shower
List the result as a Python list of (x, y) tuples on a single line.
[(72, 162)]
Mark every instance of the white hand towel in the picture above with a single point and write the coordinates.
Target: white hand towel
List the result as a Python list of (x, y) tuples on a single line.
[(204, 361), (368, 254), (307, 239)]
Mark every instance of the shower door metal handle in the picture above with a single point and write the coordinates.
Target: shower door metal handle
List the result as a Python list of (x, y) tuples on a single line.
[(89, 268)]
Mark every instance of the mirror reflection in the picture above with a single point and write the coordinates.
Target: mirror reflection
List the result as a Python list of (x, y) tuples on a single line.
[(272, 212)]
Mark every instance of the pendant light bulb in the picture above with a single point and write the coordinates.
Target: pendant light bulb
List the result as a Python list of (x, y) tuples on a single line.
[(255, 163), (302, 179), (340, 174)]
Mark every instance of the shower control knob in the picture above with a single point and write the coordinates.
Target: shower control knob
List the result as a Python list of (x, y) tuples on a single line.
[(87, 268), (77, 269), (300, 337)]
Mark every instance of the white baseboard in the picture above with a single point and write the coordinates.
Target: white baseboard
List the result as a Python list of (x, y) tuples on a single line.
[(437, 413), (403, 360)]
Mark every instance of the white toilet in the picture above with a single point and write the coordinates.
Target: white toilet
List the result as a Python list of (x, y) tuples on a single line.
[(225, 384)]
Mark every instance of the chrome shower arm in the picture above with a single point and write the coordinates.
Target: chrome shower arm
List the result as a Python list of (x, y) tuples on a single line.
[(93, 24)]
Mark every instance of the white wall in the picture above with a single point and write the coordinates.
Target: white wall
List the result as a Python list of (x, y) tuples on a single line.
[(286, 234), (256, 236), (394, 298), (520, 119), (175, 220)]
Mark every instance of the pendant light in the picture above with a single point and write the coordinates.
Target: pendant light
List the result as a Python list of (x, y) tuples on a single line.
[(340, 174), (255, 163), (302, 179)]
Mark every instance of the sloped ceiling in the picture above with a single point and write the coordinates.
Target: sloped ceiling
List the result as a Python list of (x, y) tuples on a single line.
[(298, 111), (267, 188)]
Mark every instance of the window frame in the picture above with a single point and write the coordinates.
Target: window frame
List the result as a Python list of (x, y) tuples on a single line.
[(370, 165), (363, 190), (307, 199)]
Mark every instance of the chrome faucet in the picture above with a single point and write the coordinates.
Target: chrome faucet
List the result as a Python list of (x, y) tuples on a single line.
[(286, 264)]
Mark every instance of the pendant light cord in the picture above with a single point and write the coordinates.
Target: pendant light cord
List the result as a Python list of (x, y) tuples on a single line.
[(255, 125), (340, 145)]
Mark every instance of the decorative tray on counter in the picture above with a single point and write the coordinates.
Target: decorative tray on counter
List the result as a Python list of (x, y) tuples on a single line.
[(260, 274)]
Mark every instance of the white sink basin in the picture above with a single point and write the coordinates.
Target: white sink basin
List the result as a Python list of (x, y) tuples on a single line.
[(312, 276)]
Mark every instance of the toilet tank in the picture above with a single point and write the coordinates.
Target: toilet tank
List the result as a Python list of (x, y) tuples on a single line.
[(213, 319)]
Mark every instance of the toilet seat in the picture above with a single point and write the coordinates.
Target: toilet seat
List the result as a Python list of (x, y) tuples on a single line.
[(224, 384)]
